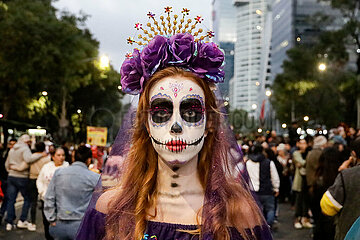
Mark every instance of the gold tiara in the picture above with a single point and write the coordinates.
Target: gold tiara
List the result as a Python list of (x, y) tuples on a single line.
[(168, 25)]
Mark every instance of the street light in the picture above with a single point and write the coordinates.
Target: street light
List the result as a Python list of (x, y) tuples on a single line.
[(254, 106), (306, 118), (283, 125), (1, 115), (268, 93), (104, 62), (78, 111), (322, 67), (44, 93), (259, 130)]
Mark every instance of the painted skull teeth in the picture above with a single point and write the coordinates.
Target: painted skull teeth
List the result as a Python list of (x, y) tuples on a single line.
[(177, 145)]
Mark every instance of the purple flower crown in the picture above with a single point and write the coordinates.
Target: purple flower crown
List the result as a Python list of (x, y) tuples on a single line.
[(203, 59)]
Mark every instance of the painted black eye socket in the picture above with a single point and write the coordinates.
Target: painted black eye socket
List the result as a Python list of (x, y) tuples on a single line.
[(191, 110), (161, 110)]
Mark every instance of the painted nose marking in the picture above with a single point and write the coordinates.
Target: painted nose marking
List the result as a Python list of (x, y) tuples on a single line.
[(176, 128)]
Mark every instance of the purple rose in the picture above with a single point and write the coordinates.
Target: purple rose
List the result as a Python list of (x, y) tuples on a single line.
[(209, 62), (154, 55), (182, 47), (132, 79)]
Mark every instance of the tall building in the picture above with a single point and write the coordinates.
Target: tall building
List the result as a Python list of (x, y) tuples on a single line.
[(291, 26), (252, 55), (224, 25)]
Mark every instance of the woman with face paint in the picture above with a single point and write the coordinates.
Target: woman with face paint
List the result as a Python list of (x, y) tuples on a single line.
[(179, 178)]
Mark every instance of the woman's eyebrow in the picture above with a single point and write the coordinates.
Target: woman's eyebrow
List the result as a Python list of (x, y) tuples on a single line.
[(160, 101)]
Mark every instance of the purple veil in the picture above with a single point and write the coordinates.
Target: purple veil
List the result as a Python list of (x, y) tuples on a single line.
[(93, 221)]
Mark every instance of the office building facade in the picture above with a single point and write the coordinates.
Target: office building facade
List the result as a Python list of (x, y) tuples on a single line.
[(252, 55)]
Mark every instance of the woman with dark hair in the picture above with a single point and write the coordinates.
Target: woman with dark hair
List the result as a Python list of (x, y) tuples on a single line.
[(325, 175), (180, 172)]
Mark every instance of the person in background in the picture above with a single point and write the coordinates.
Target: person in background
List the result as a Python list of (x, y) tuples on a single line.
[(293, 135), (350, 136), (69, 194), (312, 163), (283, 159), (265, 180), (35, 168), (18, 181), (338, 138), (67, 152), (4, 176), (44, 178), (324, 177), (342, 198), (300, 187)]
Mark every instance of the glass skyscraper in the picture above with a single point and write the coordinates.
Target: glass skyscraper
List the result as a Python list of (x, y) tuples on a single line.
[(224, 25), (252, 55)]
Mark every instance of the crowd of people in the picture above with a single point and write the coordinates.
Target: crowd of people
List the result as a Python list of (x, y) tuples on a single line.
[(318, 176), (312, 173), (62, 178), (308, 172)]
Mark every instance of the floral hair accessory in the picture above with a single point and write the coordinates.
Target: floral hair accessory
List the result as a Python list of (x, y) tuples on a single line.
[(171, 45)]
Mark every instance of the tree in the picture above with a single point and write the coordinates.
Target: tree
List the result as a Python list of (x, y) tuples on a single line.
[(100, 97), (46, 50), (304, 90), (351, 34)]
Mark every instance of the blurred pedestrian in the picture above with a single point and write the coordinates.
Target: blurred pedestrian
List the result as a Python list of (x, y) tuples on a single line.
[(35, 168), (312, 163), (325, 175), (342, 198), (69, 194), (18, 181), (4, 176), (283, 159), (300, 187), (293, 135), (265, 180), (44, 178)]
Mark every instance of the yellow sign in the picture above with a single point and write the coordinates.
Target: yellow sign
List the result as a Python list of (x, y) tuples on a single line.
[(96, 136)]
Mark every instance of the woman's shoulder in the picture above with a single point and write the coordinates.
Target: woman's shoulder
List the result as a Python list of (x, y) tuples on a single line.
[(47, 166), (104, 200)]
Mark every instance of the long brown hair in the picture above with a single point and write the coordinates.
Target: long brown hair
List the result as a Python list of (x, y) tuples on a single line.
[(127, 215)]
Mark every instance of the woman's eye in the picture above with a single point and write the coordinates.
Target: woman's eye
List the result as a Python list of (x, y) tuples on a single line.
[(161, 110), (191, 110), (190, 113)]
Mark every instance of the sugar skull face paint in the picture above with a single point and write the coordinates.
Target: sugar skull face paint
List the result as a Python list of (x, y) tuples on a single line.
[(177, 121)]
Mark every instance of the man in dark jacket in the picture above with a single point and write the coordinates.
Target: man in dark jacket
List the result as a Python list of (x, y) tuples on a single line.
[(342, 198)]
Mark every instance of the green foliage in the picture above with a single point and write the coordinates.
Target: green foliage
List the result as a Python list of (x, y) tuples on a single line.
[(305, 90), (43, 49), (328, 97)]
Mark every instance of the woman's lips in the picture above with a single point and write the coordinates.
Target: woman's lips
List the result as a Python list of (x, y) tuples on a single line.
[(176, 145)]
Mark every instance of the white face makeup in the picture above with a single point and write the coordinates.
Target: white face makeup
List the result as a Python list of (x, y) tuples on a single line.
[(177, 119)]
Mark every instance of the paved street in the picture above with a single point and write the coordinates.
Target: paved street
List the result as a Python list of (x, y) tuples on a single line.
[(285, 229), (24, 233)]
